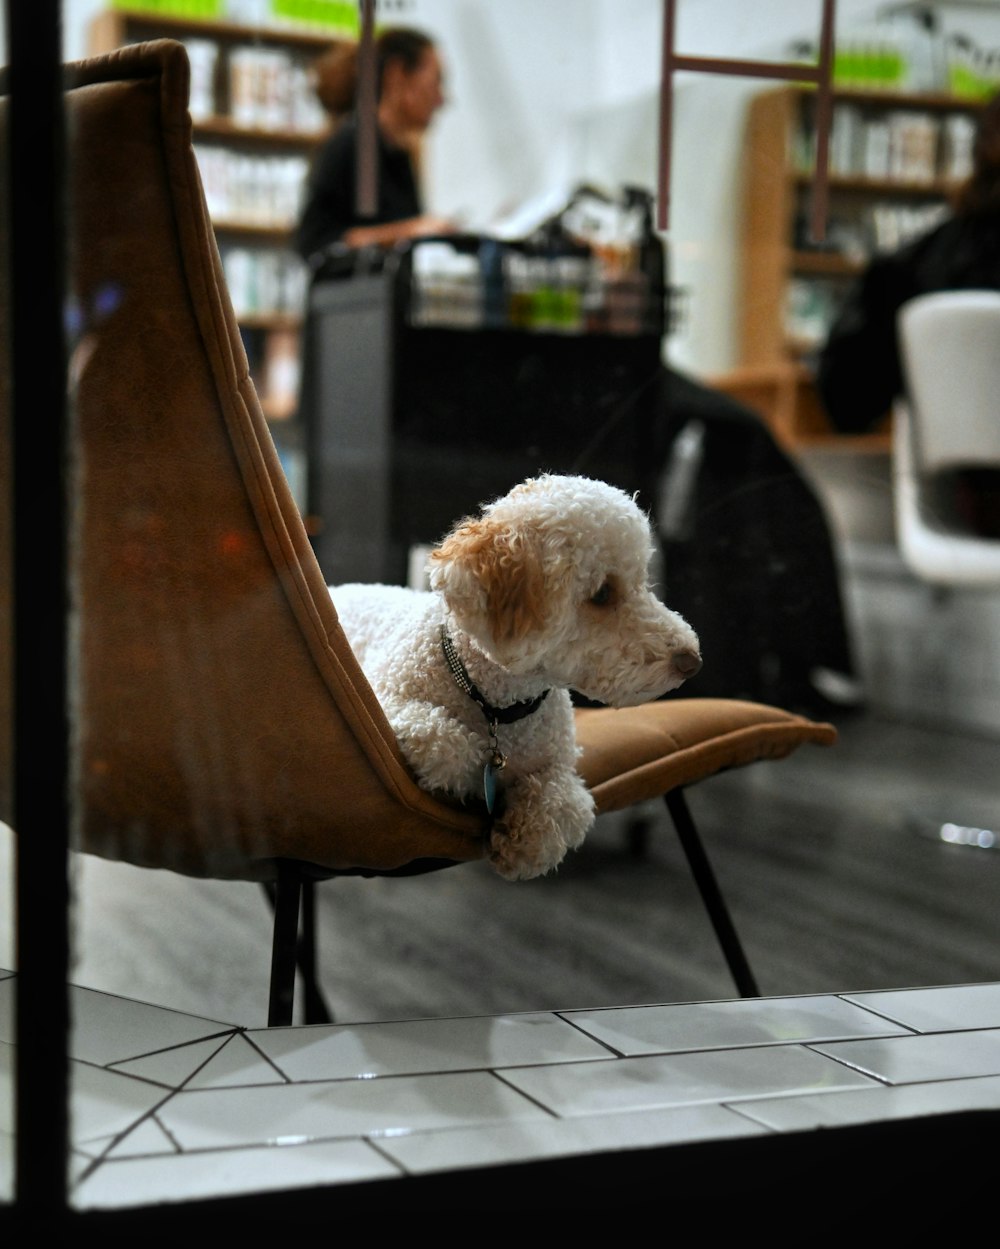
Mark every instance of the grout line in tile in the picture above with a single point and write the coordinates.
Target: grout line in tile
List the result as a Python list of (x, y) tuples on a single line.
[(166, 1049), (845, 1062), (881, 1014), (590, 1037), (151, 1113), (269, 1060), (744, 1111), (167, 1132), (528, 1097), (117, 1063), (211, 1058), (125, 1075)]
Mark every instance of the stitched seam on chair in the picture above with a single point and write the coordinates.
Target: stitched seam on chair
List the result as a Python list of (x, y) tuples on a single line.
[(779, 740)]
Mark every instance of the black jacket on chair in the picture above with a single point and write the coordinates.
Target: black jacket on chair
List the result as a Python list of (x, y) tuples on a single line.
[(858, 371), (751, 563)]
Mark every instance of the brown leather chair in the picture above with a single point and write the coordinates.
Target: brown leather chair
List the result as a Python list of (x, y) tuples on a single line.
[(223, 727)]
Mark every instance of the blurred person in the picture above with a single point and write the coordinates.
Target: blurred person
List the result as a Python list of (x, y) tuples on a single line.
[(859, 371), (409, 91)]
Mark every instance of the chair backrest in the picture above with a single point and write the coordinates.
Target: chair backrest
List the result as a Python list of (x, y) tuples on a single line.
[(948, 419), (222, 720), (950, 350)]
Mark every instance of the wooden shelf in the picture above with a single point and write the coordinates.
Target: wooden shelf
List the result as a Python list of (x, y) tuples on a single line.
[(250, 230), (829, 264), (931, 101), (141, 24), (889, 188), (772, 374), (224, 129), (116, 27), (271, 321), (785, 396)]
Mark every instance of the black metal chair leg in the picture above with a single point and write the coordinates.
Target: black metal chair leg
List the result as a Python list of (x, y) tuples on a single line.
[(314, 1004), (294, 893), (711, 895), (285, 897)]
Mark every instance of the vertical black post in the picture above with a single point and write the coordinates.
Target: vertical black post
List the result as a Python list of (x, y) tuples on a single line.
[(366, 112), (34, 182), (316, 1009)]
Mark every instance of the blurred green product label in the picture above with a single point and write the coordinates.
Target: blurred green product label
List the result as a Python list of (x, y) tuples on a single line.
[(175, 8), (339, 15)]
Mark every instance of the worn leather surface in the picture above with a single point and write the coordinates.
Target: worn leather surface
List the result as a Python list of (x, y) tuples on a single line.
[(637, 753), (221, 720)]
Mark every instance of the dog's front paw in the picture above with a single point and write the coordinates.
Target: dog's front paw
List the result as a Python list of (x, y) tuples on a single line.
[(541, 823), (515, 857)]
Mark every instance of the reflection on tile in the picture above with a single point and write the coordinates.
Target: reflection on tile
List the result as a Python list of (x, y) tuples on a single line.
[(795, 1114), (933, 1010), (902, 1060), (423, 1152), (104, 1103), (146, 1138), (715, 1076), (346, 1051), (193, 1108), (107, 1029), (267, 1113), (172, 1067), (711, 1025), (186, 1177)]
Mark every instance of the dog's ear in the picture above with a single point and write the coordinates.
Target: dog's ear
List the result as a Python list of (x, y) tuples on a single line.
[(491, 576)]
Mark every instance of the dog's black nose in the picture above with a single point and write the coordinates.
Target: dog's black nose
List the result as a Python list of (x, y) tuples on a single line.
[(687, 663)]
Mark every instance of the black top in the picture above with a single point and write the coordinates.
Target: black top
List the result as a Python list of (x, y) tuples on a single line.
[(859, 372), (331, 198)]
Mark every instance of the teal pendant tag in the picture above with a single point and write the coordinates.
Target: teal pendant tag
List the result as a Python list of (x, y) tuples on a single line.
[(490, 786)]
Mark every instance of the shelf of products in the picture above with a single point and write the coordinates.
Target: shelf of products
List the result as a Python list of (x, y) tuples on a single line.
[(468, 282), (894, 160), (256, 124)]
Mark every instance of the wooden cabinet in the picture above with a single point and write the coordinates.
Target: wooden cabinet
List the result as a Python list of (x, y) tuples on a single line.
[(256, 125), (894, 159)]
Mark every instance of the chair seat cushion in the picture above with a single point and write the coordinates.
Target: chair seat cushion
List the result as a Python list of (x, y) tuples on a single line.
[(633, 754)]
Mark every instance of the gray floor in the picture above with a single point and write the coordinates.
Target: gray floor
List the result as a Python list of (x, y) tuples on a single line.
[(830, 889)]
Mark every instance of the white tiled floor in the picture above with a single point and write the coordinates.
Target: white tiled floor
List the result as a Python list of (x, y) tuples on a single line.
[(168, 1107)]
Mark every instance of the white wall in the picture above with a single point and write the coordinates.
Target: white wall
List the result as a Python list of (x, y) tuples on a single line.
[(517, 71)]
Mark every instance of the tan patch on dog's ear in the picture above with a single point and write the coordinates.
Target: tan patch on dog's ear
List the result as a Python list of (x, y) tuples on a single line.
[(507, 567)]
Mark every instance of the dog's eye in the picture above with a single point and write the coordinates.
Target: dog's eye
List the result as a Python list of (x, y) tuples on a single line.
[(602, 597)]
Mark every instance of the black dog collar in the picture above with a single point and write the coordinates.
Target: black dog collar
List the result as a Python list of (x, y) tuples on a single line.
[(495, 715)]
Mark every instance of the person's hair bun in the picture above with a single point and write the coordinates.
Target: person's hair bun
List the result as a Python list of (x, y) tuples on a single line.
[(335, 75)]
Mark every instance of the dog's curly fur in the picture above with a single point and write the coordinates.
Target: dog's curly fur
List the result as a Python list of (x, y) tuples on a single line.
[(547, 589)]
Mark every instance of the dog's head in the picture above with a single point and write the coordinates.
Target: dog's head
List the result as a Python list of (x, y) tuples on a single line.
[(552, 581)]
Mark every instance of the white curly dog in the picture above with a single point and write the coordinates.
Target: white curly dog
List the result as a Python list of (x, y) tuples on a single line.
[(546, 591)]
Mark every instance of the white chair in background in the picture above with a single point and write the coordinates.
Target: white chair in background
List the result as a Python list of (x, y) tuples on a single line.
[(947, 422)]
